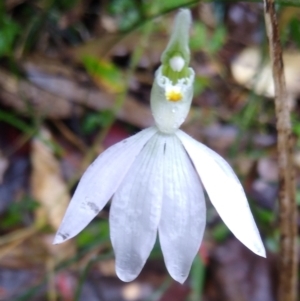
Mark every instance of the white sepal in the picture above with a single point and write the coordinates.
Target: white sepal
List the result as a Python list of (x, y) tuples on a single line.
[(225, 192), (183, 212), (99, 183), (169, 115), (179, 40), (136, 210)]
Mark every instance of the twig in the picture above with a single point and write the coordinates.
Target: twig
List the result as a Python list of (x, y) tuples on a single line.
[(70, 136), (287, 197), (18, 235)]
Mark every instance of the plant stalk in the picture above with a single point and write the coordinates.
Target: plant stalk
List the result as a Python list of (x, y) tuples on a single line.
[(287, 195)]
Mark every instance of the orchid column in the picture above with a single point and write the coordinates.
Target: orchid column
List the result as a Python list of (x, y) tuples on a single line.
[(172, 90), (156, 180)]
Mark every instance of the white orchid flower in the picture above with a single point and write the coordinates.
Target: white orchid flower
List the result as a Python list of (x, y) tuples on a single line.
[(156, 180)]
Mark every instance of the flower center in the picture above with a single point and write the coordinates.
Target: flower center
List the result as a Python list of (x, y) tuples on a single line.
[(173, 94)]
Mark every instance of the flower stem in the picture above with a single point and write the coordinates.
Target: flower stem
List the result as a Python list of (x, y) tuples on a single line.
[(287, 195)]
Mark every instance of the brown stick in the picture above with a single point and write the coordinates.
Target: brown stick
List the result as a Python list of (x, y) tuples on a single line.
[(287, 198)]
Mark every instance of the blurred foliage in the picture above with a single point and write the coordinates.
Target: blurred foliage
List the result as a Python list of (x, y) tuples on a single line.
[(97, 233), (290, 26), (220, 232), (204, 39), (9, 31), (127, 12), (97, 120), (200, 84), (17, 213), (198, 277), (106, 73), (64, 5), (16, 121)]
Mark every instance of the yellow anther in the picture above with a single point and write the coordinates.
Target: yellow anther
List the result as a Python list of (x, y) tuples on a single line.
[(173, 94)]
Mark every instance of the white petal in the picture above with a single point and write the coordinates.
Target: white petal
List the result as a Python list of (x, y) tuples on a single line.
[(225, 192), (183, 212), (99, 183), (136, 209)]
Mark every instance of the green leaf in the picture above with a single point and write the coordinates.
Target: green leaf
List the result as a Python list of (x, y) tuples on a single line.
[(220, 232), (105, 73), (127, 12), (15, 121), (197, 279), (95, 232), (203, 39), (96, 120), (8, 34), (16, 210), (200, 84), (295, 30), (217, 39), (199, 37), (264, 215)]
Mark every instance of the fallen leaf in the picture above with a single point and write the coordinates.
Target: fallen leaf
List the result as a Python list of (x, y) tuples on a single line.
[(251, 70), (50, 191)]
